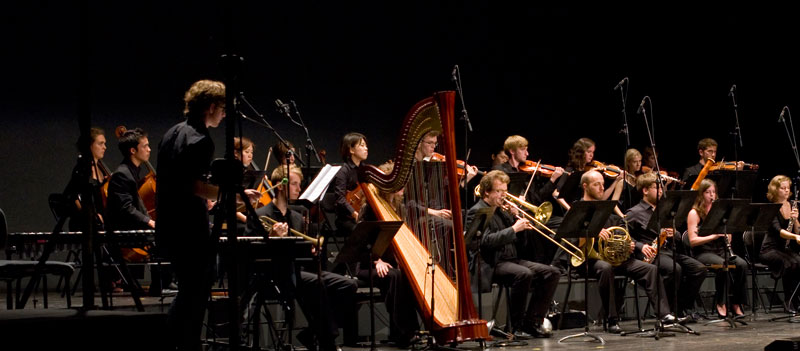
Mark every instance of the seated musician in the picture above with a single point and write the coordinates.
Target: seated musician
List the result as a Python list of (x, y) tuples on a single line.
[(776, 250), (710, 250), (95, 146), (534, 247), (425, 152), (707, 148), (500, 157), (282, 153), (689, 273), (498, 249), (643, 273), (581, 156), (244, 152), (326, 311), (354, 151), (392, 282), (628, 196), (126, 210)]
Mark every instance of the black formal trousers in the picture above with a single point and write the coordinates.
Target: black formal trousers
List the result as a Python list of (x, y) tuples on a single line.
[(399, 300), (329, 305), (194, 271), (690, 274), (643, 273), (522, 276), (787, 265), (737, 288)]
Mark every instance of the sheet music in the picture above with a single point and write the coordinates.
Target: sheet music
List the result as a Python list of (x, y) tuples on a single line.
[(316, 190)]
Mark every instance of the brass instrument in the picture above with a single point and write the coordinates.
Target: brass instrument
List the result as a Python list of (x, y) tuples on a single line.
[(615, 250), (268, 222), (512, 202), (541, 213)]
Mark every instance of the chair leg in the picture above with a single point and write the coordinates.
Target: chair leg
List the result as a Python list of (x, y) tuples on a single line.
[(9, 295), (566, 298), (774, 293), (44, 289)]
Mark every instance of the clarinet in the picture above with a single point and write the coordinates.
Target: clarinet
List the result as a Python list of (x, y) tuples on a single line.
[(731, 255), (791, 225)]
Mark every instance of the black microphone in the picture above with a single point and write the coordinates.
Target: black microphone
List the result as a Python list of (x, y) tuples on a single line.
[(641, 106), (619, 85), (783, 110), (283, 108), (453, 75), (733, 89)]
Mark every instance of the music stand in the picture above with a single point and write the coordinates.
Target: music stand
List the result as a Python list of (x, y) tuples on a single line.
[(734, 184), (671, 212), (754, 217), (585, 219), (368, 240), (717, 222)]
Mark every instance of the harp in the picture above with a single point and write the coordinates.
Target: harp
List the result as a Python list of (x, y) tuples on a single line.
[(453, 315)]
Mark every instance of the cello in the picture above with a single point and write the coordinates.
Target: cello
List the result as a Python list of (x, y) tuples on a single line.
[(454, 318)]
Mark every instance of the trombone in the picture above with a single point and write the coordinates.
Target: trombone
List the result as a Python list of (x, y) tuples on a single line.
[(268, 222), (543, 211)]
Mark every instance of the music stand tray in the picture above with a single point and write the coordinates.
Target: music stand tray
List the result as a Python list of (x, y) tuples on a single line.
[(672, 210), (734, 184), (585, 219)]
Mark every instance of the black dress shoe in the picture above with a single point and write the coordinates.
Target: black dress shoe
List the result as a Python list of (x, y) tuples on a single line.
[(613, 327), (538, 332), (306, 337), (521, 335)]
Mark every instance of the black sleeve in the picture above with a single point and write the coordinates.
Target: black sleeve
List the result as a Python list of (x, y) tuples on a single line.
[(340, 191), (125, 204)]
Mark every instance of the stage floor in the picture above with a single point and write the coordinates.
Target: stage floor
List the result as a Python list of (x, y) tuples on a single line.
[(754, 336)]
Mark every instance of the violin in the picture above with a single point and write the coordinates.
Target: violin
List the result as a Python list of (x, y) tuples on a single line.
[(731, 166), (544, 170), (460, 165), (610, 171), (670, 176), (265, 184)]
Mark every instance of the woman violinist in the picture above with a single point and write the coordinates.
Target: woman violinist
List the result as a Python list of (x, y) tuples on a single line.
[(97, 177), (244, 152)]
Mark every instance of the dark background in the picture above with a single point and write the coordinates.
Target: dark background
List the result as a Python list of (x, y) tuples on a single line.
[(546, 73)]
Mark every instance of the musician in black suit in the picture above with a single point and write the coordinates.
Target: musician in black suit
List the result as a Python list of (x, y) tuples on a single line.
[(707, 149), (125, 209), (498, 249), (182, 232), (690, 272), (534, 247), (644, 273), (327, 307)]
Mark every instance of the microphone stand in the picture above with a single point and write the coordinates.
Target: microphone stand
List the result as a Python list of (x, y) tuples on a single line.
[(623, 94), (737, 138), (456, 78), (658, 328), (309, 143)]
